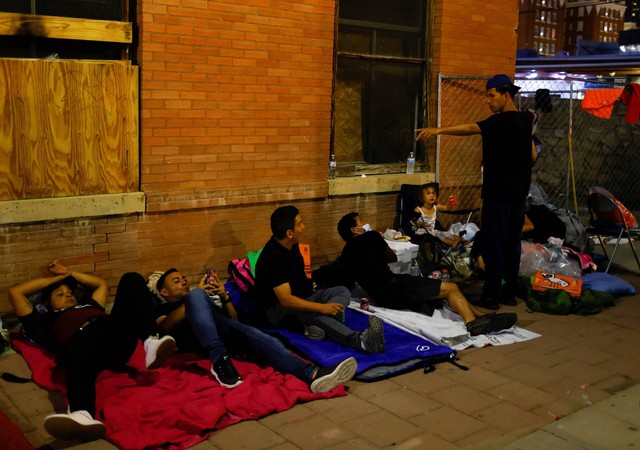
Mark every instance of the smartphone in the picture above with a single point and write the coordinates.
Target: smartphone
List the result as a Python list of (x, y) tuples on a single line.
[(211, 276)]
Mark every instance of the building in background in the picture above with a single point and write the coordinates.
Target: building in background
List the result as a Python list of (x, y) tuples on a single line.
[(552, 27)]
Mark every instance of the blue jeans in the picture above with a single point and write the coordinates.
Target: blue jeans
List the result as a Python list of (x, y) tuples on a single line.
[(218, 335), (281, 317)]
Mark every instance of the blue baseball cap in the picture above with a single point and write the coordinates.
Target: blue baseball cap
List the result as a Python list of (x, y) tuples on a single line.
[(500, 80)]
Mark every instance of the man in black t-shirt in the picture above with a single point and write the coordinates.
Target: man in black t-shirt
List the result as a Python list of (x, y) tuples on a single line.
[(366, 257), (508, 153), (287, 298), (88, 339)]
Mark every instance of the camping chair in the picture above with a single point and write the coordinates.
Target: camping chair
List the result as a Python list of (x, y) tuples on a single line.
[(406, 203), (607, 216)]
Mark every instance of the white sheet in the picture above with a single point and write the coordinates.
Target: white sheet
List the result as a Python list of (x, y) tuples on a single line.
[(446, 327)]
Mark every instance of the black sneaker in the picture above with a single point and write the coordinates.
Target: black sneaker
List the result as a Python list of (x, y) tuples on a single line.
[(225, 373), (372, 339), (490, 323), (329, 377), (314, 332)]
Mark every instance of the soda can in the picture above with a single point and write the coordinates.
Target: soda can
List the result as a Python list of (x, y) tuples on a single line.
[(436, 275), (364, 304), (452, 201)]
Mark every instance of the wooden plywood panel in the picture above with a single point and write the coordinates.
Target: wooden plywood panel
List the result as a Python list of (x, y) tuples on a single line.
[(67, 128)]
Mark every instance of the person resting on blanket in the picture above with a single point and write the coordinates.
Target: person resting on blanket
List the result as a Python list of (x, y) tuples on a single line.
[(216, 331), (365, 257), (88, 339), (286, 298)]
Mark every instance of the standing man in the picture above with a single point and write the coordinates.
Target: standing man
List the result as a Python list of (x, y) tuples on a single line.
[(287, 299), (507, 159)]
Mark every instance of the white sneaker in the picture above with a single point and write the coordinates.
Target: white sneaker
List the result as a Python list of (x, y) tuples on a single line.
[(158, 350), (75, 425), (329, 377)]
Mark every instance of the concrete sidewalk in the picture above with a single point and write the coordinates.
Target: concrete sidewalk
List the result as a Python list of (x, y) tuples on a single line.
[(575, 387)]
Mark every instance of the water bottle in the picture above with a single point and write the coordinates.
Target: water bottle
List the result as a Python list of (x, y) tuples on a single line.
[(332, 167), (414, 271), (445, 275), (411, 161)]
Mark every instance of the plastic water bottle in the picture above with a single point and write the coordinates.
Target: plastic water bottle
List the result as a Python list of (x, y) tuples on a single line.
[(445, 275), (414, 271), (411, 162), (332, 167)]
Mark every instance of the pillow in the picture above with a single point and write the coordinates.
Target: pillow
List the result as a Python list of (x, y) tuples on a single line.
[(605, 282)]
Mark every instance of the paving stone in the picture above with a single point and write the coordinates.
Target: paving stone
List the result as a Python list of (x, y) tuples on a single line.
[(488, 360), (245, 435), (365, 390), (425, 384), (588, 373), (541, 440), (353, 444), (316, 432), (464, 399), (33, 402), (521, 395), (585, 353), (298, 412), (479, 378), (531, 375), (424, 441), (449, 424), (383, 428), (343, 408), (405, 403), (508, 417)]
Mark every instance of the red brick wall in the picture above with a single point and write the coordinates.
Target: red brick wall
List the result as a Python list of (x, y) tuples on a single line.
[(474, 37), (189, 240), (235, 121), (236, 99)]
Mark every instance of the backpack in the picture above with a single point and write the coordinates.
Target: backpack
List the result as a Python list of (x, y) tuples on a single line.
[(241, 274), (575, 234)]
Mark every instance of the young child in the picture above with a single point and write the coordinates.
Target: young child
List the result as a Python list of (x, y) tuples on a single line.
[(427, 207)]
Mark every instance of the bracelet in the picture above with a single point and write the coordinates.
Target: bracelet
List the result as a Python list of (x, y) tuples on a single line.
[(227, 301)]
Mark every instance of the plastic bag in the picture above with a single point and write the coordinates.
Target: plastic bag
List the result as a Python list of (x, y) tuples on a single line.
[(468, 230), (554, 260)]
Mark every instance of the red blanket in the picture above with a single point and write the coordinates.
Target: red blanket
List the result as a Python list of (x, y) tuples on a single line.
[(178, 405)]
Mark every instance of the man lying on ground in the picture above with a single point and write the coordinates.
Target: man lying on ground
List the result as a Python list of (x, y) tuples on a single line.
[(197, 323), (88, 339)]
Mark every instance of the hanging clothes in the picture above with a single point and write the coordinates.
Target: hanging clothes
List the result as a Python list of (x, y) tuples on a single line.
[(600, 102), (631, 98)]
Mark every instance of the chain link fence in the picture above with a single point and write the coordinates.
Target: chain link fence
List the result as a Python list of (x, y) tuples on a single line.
[(580, 150)]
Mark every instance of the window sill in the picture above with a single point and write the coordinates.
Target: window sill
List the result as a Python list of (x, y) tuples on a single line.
[(44, 209), (376, 183)]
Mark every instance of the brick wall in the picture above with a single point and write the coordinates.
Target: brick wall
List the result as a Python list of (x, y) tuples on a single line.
[(235, 121), (236, 98)]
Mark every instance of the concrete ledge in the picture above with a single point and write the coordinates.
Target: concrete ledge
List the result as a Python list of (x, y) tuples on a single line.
[(372, 184), (44, 209)]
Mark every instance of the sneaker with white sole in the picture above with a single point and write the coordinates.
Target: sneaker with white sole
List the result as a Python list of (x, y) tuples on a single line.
[(157, 350), (75, 425), (314, 332), (327, 378), (372, 339), (226, 374)]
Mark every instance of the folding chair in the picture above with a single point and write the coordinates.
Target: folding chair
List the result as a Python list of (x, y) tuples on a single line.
[(607, 216)]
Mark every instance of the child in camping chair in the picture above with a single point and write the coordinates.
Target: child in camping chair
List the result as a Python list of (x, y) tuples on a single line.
[(428, 226)]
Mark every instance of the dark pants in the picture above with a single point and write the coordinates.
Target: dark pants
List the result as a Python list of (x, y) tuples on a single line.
[(502, 222), (108, 342)]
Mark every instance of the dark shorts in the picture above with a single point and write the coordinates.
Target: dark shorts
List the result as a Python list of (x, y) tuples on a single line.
[(415, 293)]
